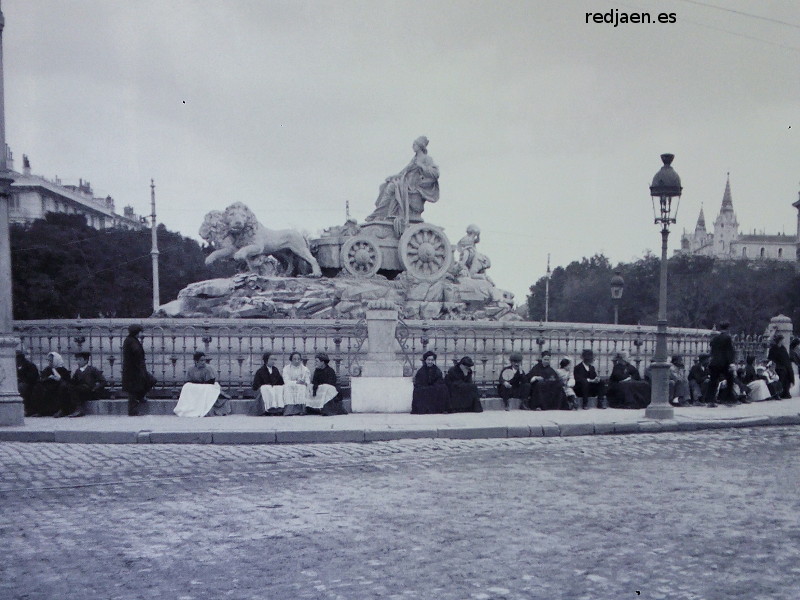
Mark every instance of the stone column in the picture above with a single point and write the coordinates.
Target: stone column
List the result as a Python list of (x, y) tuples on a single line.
[(11, 409), (381, 387)]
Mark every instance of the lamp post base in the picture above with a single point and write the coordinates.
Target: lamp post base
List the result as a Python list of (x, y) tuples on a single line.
[(659, 407), (659, 412)]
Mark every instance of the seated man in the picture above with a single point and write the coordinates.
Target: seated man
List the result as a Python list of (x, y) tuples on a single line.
[(325, 397), (269, 385), (547, 393), (201, 395), (678, 382), (699, 378), (587, 382), (464, 394), (513, 382), (87, 383)]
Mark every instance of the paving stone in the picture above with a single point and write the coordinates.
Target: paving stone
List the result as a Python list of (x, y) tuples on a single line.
[(244, 437), (537, 431), (785, 420), (181, 437), (689, 426), (473, 433), (95, 437), (17, 435), (669, 425), (550, 430), (381, 435), (324, 436), (571, 429), (603, 428), (143, 437), (751, 422), (649, 426), (519, 431)]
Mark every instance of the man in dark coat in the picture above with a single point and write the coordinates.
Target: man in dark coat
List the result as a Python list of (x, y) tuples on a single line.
[(464, 394), (513, 382), (698, 378), (324, 374), (27, 377), (722, 365), (136, 381), (86, 384), (547, 391), (783, 364), (587, 382)]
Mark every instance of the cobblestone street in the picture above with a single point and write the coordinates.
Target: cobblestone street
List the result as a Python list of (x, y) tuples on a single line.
[(710, 514)]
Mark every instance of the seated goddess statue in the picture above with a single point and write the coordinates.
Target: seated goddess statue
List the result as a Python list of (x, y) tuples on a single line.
[(404, 195)]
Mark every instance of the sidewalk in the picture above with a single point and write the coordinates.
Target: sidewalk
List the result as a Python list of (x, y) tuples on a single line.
[(241, 429)]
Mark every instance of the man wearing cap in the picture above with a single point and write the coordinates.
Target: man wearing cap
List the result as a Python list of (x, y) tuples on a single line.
[(587, 382), (678, 382), (721, 366), (513, 383), (464, 394), (86, 384), (547, 393), (698, 379)]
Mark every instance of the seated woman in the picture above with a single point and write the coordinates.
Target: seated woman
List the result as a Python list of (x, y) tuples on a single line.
[(201, 395), (51, 392), (547, 391), (757, 389), (625, 386), (565, 374), (767, 373), (430, 391), (296, 385), (464, 395), (268, 384), (325, 399)]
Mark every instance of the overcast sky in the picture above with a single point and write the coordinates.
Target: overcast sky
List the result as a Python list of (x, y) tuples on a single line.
[(547, 130)]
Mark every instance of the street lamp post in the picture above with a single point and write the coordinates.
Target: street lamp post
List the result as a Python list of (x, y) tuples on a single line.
[(666, 186), (617, 285), (11, 409)]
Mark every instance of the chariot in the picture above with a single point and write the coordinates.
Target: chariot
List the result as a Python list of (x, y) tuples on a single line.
[(378, 248)]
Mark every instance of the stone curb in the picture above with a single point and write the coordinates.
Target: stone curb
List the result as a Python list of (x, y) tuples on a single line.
[(375, 435)]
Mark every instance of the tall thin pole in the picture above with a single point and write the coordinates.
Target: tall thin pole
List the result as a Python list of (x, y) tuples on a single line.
[(547, 292), (11, 409), (154, 250)]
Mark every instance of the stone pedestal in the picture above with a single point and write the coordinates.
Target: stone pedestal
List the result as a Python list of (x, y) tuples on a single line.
[(381, 394), (12, 411)]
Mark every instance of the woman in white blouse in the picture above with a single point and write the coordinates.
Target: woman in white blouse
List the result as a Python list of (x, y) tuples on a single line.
[(297, 385)]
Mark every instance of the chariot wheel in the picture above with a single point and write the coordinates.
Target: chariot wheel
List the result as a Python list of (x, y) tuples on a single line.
[(361, 256), (425, 251)]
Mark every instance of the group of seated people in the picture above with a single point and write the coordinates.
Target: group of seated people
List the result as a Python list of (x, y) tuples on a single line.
[(450, 393), (55, 391), (294, 391)]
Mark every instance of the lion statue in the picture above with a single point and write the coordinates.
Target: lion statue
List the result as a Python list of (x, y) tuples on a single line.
[(237, 233)]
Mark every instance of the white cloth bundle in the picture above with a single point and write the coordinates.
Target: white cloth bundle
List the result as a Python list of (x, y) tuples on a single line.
[(197, 399), (325, 392), (272, 395)]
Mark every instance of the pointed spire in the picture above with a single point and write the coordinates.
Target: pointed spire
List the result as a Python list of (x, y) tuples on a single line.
[(727, 202), (701, 221)]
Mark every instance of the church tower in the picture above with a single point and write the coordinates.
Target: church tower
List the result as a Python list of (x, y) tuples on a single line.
[(726, 227)]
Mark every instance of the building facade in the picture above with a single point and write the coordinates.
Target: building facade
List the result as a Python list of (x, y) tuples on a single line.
[(33, 196), (726, 241)]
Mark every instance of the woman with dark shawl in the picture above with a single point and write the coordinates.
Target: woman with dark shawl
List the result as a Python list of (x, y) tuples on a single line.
[(547, 391), (51, 392), (625, 386), (464, 395), (325, 397), (430, 391), (268, 384)]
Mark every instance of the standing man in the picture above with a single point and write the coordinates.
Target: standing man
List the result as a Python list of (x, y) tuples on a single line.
[(86, 383), (136, 381), (587, 382), (721, 365), (783, 364)]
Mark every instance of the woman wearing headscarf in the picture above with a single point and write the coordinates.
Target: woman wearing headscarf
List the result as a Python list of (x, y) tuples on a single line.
[(296, 385), (625, 386), (430, 391), (464, 395), (201, 395), (51, 392), (268, 384), (325, 398)]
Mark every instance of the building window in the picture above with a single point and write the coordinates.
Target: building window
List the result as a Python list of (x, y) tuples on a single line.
[(762, 253), (744, 252), (780, 252)]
